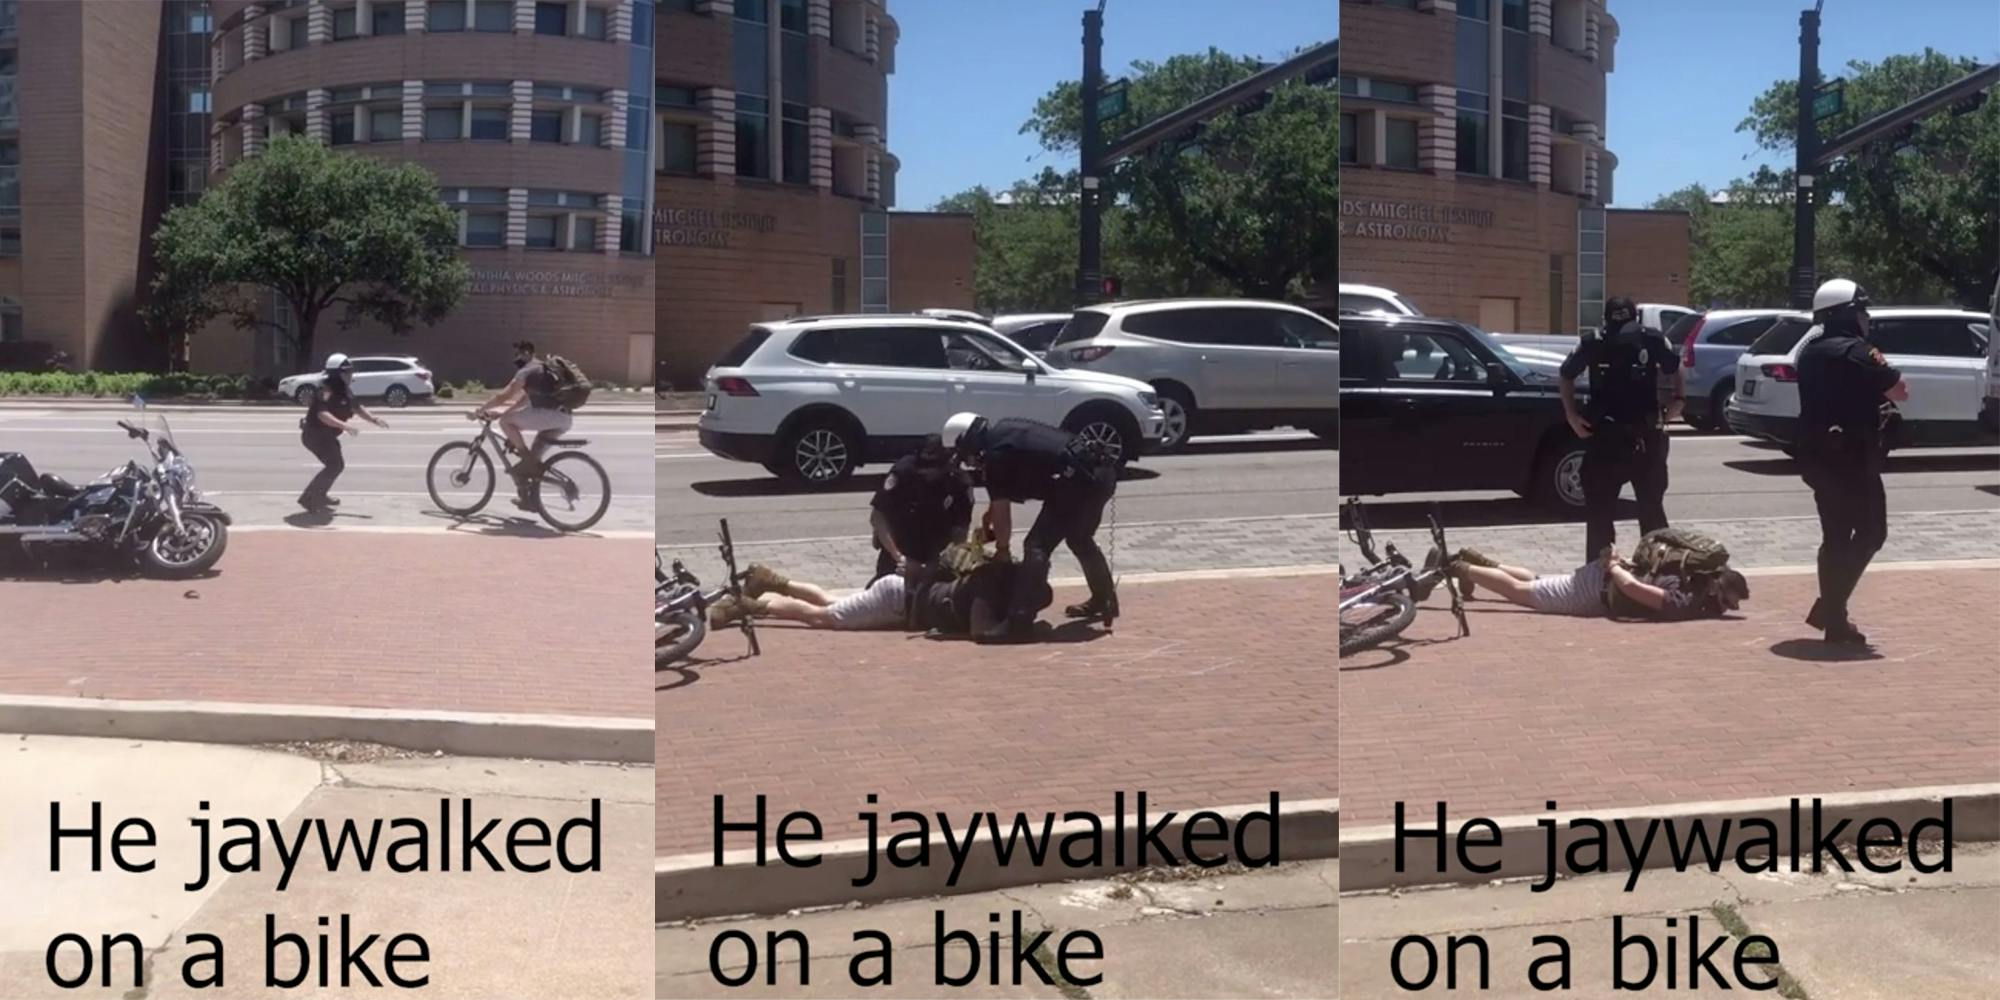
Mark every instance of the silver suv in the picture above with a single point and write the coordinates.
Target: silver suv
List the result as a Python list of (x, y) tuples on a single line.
[(1220, 366)]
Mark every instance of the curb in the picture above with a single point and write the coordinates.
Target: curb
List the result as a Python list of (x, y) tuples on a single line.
[(469, 734), (692, 887), (1368, 854)]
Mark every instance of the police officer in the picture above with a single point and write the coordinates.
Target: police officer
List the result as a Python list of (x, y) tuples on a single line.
[(923, 505), (1843, 384), (1636, 386), (1025, 460)]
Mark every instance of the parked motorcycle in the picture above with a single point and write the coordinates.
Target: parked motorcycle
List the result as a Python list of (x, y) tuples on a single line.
[(153, 516)]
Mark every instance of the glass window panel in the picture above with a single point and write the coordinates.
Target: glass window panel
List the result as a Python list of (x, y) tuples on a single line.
[(493, 89), (485, 229), (592, 131), (873, 245), (486, 196), (386, 18), (443, 89), (542, 231), (796, 81), (545, 197), (551, 92), (552, 19), (385, 125), (1401, 151), (674, 97), (1592, 243), (343, 128), (584, 234), (758, 11), (798, 154), (678, 144), (1514, 149), (489, 123), (444, 16), (1591, 286), (1514, 14), (1475, 154), (297, 33), (493, 15), (1350, 139), (1383, 90), (346, 23), (545, 126), (1350, 86), (792, 15), (1514, 65), (752, 59), (753, 145), (642, 23), (631, 232), (444, 123), (875, 267), (1474, 61), (596, 23)]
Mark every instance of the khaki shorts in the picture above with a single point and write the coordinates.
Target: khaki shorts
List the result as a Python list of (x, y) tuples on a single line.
[(534, 420)]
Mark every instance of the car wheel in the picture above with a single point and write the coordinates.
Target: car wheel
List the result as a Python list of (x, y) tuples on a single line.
[(1559, 477), (397, 396), (1718, 404), (1102, 425), (820, 454), (1177, 406), (306, 394)]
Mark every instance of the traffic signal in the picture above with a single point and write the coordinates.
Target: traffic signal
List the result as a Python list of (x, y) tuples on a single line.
[(1110, 287)]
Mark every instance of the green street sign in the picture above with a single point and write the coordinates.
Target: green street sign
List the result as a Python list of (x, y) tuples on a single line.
[(1829, 100), (1111, 102)]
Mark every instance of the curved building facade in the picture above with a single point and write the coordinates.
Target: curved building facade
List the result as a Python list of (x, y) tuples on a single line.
[(775, 177), (533, 115), (1475, 177)]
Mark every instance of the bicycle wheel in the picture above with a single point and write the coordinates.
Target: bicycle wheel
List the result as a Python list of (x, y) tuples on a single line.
[(1376, 623), (676, 636), (467, 479), (574, 492)]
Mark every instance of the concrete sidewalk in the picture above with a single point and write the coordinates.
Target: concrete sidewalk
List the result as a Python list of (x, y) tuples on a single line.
[(1858, 937), (416, 621), (1267, 933), (509, 934), (1210, 693), (1597, 714)]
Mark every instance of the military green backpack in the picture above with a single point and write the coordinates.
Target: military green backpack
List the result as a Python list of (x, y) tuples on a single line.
[(1676, 551)]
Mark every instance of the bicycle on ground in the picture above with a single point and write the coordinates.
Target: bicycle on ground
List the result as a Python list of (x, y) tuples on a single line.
[(680, 606), (1378, 602), (572, 493)]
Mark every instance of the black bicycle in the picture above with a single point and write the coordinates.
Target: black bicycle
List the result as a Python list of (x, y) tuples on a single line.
[(680, 606), (1380, 601), (572, 493)]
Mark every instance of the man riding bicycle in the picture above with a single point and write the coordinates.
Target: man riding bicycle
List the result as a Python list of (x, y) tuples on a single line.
[(527, 406)]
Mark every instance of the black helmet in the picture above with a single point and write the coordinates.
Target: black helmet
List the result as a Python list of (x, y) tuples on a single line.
[(1620, 311)]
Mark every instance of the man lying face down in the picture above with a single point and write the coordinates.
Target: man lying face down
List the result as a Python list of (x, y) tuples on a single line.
[(933, 598)]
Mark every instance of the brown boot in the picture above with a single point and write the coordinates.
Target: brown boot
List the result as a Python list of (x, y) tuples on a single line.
[(760, 579), (730, 610)]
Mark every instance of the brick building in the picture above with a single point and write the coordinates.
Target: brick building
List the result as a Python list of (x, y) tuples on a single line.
[(775, 179), (1475, 178), (102, 84), (535, 116)]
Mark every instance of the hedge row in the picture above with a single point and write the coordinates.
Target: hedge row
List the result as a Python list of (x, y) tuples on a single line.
[(178, 385)]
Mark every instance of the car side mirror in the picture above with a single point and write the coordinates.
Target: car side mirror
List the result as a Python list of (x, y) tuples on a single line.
[(1496, 376)]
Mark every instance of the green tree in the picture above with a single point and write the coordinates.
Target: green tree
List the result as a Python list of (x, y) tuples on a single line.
[(318, 229), (1740, 250), (1251, 197), (1917, 219)]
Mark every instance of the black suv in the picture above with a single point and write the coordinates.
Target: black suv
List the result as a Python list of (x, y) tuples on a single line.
[(1430, 405)]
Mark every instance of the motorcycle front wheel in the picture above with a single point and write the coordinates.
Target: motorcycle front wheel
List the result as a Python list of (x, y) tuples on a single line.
[(676, 634), (177, 555)]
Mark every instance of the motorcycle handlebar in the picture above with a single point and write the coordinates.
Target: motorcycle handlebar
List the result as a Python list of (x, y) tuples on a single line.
[(134, 432)]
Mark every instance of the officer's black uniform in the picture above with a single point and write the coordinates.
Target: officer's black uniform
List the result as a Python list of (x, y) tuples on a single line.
[(1841, 453), (1627, 443), (927, 501), (1025, 460)]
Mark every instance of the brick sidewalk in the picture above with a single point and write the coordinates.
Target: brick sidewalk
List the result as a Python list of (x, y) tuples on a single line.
[(1600, 714), (1209, 693), (416, 621)]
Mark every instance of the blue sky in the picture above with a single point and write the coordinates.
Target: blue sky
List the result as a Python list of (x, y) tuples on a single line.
[(968, 72), (1688, 69)]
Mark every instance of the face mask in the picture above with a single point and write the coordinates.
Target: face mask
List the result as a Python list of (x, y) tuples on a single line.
[(520, 362)]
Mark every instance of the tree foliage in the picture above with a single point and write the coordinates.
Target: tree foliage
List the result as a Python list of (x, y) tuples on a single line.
[(318, 229), (1250, 199), (1916, 219)]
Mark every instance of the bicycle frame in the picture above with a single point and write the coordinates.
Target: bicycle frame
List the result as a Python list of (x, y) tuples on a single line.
[(1394, 573)]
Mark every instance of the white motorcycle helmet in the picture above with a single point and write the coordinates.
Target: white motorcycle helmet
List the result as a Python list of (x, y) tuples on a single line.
[(338, 362), (956, 427), (1837, 293)]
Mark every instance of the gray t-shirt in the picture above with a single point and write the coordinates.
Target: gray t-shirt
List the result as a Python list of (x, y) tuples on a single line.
[(541, 385)]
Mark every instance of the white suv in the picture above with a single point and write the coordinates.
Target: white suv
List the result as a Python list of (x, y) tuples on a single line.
[(1941, 353), (1373, 299), (1219, 365), (813, 398), (393, 378)]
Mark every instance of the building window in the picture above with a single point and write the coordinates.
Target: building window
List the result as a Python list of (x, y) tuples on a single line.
[(678, 142), (10, 178), (485, 229), (387, 18), (1589, 269), (385, 125), (198, 100), (542, 231), (583, 233), (493, 15), (10, 239), (445, 123), (1475, 135), (297, 32), (668, 96), (342, 126), (10, 316), (442, 16), (596, 23), (1555, 293), (1400, 148), (590, 130), (874, 262), (1514, 140), (545, 126), (346, 23), (1474, 69), (797, 146), (552, 19), (489, 124), (1350, 138)]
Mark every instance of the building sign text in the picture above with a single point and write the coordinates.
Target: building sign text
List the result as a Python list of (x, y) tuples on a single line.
[(705, 227), (1407, 220), (561, 284)]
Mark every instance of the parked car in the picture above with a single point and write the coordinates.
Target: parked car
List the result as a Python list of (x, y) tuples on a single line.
[(1661, 318), (1218, 365), (814, 398), (1709, 344), (1940, 351), (1373, 299), (393, 378), (963, 314), (1989, 413), (1433, 405), (1034, 331)]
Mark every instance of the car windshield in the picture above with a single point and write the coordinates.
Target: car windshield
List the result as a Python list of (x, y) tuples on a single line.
[(1783, 335), (1521, 371)]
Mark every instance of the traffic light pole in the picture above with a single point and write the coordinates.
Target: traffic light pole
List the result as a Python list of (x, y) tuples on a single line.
[(1804, 233), (1090, 248)]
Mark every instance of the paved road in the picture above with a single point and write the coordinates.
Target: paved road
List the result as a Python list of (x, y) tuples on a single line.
[(1229, 502), (250, 461)]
